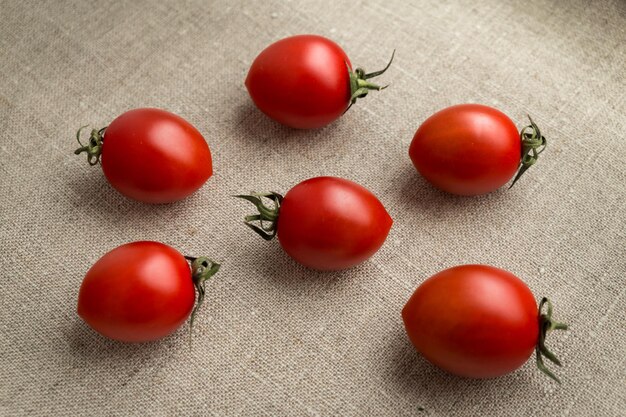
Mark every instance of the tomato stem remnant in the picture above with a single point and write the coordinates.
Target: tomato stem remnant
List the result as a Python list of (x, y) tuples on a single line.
[(546, 324), (359, 86), (93, 147), (267, 217), (533, 143), (202, 269)]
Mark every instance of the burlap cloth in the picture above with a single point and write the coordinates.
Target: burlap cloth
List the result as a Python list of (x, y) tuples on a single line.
[(274, 338)]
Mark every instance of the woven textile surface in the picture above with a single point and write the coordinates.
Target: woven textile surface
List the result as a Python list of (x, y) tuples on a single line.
[(275, 338)]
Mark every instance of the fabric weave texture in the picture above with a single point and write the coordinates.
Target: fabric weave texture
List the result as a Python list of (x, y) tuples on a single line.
[(273, 338)]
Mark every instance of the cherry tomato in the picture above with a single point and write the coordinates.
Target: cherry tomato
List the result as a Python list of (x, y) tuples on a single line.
[(306, 81), (141, 291), (478, 321), (325, 223), (472, 149), (151, 155)]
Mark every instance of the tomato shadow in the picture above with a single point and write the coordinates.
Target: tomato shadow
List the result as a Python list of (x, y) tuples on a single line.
[(90, 199), (87, 343), (86, 183), (422, 384), (90, 350), (414, 192), (253, 125), (271, 262)]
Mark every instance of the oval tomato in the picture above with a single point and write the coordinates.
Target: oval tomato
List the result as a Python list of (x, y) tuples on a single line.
[(325, 223), (477, 321), (141, 291), (306, 81), (151, 155), (472, 149)]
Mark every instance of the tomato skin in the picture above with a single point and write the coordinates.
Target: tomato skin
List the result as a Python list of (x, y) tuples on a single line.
[(301, 81), (154, 156), (137, 292), (475, 321), (468, 149), (330, 223)]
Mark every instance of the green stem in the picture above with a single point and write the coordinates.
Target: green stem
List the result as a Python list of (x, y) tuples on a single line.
[(202, 269), (93, 147), (533, 143), (359, 86), (267, 219), (546, 325)]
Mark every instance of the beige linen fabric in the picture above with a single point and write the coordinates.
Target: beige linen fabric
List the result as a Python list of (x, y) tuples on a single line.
[(275, 338)]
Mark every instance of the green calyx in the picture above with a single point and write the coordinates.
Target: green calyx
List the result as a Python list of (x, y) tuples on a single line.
[(546, 324), (202, 269), (533, 143), (93, 147), (268, 216), (359, 86)]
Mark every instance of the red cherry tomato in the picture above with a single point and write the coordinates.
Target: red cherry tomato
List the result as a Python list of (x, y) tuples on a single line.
[(306, 81), (472, 149), (477, 321), (151, 155), (325, 223), (141, 291)]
